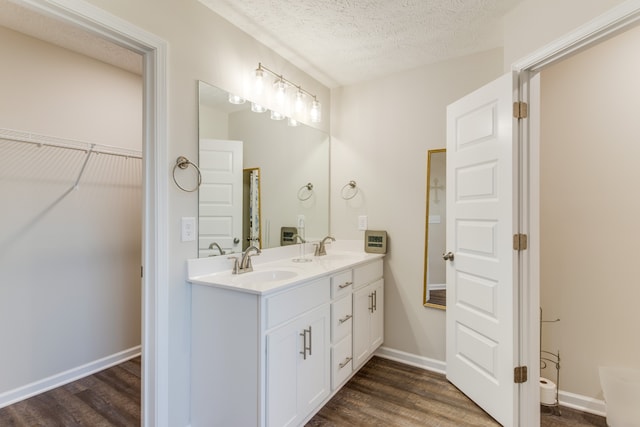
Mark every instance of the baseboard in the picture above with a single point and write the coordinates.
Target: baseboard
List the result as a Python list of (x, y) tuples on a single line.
[(12, 396), (412, 359), (570, 400), (582, 403)]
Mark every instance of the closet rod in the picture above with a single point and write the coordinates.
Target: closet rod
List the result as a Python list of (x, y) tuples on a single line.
[(70, 144)]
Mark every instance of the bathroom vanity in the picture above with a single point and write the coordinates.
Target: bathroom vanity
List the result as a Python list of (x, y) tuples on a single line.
[(270, 347)]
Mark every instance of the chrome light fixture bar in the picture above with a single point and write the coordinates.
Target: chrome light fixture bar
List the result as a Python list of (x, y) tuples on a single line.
[(281, 84)]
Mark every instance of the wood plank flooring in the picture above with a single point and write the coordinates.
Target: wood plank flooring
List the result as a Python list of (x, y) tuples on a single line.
[(388, 393), (383, 393), (104, 399)]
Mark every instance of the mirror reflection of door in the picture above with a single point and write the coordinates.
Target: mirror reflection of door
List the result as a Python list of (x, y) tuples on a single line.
[(220, 210), (435, 290)]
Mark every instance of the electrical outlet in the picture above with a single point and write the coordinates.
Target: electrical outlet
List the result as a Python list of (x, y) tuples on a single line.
[(362, 222), (188, 229)]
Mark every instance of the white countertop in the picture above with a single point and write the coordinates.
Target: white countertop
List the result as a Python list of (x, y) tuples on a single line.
[(275, 269)]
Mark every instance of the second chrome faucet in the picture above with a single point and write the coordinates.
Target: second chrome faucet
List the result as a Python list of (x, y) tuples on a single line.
[(321, 248)]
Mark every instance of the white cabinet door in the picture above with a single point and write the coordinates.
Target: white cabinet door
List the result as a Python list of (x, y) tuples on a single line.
[(367, 321), (298, 376), (314, 373)]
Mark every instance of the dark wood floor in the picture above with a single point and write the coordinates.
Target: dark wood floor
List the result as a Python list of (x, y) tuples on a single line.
[(388, 393), (105, 399), (383, 393)]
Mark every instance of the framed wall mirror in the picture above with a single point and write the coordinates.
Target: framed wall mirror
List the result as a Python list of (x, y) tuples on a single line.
[(254, 170), (435, 289)]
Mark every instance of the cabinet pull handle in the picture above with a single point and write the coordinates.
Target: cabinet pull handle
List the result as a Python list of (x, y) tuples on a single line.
[(371, 302), (345, 285), (345, 363), (375, 300), (306, 346), (345, 318)]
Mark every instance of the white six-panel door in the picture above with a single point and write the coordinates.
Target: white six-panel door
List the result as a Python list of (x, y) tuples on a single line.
[(481, 317)]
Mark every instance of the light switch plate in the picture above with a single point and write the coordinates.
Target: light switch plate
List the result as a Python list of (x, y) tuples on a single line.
[(188, 229), (362, 222)]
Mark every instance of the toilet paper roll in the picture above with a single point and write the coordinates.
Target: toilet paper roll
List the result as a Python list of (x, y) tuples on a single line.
[(547, 391)]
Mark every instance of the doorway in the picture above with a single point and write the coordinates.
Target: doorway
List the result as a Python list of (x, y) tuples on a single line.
[(615, 22), (155, 258)]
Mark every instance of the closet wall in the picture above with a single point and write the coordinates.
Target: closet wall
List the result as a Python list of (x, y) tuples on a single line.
[(69, 258), (589, 212)]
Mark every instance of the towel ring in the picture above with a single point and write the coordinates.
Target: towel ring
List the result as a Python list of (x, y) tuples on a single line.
[(183, 163), (309, 188), (352, 185)]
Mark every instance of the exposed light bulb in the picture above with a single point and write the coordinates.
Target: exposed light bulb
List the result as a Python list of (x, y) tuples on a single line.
[(259, 83), (235, 99), (276, 116), (292, 122), (257, 108), (316, 112)]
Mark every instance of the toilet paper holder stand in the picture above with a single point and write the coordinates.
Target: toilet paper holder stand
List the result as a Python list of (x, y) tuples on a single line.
[(553, 358)]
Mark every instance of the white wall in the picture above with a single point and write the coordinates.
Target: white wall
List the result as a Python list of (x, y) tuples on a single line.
[(56, 92), (69, 265), (589, 211), (381, 131)]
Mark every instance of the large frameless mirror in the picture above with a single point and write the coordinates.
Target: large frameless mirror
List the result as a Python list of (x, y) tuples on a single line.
[(259, 176), (435, 289)]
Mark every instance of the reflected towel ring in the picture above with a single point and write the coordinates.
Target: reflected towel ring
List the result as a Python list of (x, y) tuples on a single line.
[(352, 185), (309, 188), (183, 163)]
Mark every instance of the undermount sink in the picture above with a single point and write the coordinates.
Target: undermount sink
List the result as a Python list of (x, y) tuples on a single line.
[(264, 276)]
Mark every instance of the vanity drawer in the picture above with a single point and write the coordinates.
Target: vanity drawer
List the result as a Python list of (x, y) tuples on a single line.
[(341, 318), (341, 284), (289, 304), (367, 273), (341, 362)]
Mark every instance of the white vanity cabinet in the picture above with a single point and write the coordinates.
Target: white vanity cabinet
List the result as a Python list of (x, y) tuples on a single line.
[(368, 311), (273, 358)]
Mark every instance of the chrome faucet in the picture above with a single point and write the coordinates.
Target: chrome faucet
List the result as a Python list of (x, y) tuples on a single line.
[(245, 262), (321, 247), (214, 244)]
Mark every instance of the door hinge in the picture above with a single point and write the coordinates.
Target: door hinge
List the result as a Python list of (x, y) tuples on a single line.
[(520, 374), (519, 242), (520, 110), (141, 271)]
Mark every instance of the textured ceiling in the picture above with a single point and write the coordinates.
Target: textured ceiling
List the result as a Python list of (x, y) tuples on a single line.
[(341, 42), (36, 25)]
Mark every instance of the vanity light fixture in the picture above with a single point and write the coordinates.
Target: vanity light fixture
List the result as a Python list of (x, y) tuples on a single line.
[(235, 99), (281, 85), (292, 122)]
